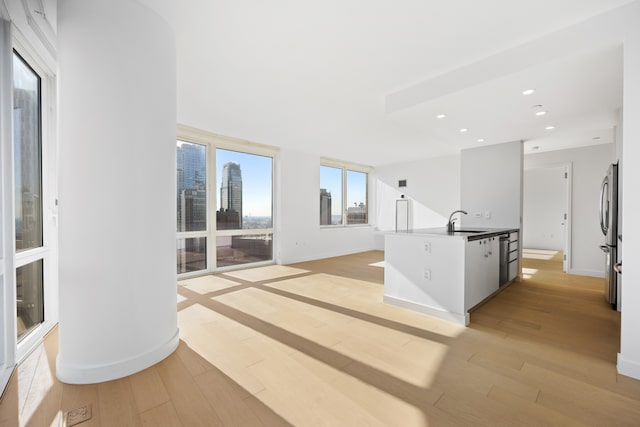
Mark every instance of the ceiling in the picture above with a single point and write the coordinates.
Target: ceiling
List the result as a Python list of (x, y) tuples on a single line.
[(363, 80)]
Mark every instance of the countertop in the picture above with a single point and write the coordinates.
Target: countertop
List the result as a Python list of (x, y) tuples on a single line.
[(473, 233)]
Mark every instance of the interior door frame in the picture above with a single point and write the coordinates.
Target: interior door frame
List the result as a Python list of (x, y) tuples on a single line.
[(568, 188), (566, 264)]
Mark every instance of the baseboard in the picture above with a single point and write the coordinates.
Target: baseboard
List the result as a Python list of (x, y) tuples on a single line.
[(590, 273), (97, 374), (460, 319), (628, 368), (5, 376)]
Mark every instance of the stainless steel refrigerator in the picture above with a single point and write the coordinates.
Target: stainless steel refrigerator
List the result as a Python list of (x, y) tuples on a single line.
[(609, 225)]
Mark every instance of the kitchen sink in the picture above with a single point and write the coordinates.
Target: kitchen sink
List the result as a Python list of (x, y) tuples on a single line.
[(463, 230)]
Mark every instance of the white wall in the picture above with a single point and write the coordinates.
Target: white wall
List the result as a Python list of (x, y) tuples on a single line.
[(491, 185), (117, 115), (629, 356), (433, 186), (544, 205), (299, 236), (589, 166)]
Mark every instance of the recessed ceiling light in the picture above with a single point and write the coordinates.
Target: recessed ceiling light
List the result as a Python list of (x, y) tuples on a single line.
[(541, 113), (463, 130), (441, 116), (528, 91), (550, 127), (596, 137), (480, 139)]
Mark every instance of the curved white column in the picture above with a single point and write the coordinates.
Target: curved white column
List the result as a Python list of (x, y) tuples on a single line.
[(117, 121)]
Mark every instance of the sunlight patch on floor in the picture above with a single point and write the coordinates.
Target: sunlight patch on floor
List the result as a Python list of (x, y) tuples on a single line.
[(538, 254), (265, 273), (377, 264), (205, 284), (528, 273)]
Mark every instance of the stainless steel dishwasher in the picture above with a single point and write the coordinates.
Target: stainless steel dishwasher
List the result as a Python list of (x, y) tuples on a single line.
[(504, 259)]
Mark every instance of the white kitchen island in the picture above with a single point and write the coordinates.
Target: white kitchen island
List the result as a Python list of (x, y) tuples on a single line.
[(440, 273)]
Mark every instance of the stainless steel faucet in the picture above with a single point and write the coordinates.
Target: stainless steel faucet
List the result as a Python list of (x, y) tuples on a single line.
[(450, 225)]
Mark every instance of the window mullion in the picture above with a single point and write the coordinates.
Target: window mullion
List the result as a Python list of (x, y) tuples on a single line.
[(344, 196)]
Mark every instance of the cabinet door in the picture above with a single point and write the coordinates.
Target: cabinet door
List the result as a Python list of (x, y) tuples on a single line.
[(514, 270), (482, 270), (492, 265)]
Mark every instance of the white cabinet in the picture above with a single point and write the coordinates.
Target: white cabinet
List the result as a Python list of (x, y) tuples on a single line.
[(482, 270), (439, 273)]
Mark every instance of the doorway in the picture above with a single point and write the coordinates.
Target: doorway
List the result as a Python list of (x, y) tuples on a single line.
[(547, 211)]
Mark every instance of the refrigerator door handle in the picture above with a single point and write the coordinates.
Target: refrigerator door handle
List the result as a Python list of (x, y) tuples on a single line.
[(604, 211), (618, 267), (604, 248)]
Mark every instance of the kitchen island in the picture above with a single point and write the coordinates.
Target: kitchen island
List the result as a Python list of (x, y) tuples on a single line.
[(442, 273)]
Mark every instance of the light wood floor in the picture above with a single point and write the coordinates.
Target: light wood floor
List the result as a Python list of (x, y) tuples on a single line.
[(313, 345)]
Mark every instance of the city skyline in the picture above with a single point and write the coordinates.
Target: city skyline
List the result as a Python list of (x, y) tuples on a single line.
[(331, 181), (256, 181), (252, 195)]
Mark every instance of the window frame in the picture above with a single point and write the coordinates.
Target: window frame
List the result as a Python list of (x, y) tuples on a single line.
[(48, 252), (346, 167), (199, 233), (213, 142)]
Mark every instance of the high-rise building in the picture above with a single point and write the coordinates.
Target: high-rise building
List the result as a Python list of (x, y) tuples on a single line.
[(192, 185), (230, 213), (325, 207), (357, 214), (28, 191)]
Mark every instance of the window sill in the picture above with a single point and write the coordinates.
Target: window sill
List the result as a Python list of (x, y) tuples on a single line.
[(345, 227)]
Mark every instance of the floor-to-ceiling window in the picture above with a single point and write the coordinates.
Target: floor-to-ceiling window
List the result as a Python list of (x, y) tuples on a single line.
[(191, 200), (27, 149), (224, 203), (28, 231), (244, 219)]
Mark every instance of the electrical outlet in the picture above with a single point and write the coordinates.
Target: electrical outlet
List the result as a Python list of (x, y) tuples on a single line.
[(427, 247), (427, 274), (487, 214), (78, 416)]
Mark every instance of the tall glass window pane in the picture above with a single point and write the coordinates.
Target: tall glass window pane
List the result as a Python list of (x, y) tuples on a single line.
[(244, 190), (236, 250), (356, 197), (192, 254), (28, 155), (29, 297), (191, 174), (330, 195)]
